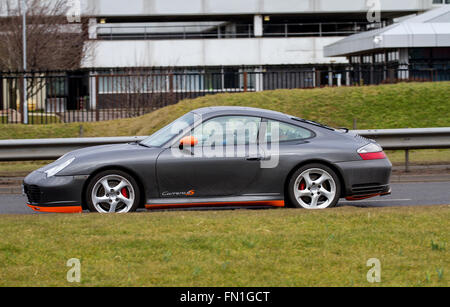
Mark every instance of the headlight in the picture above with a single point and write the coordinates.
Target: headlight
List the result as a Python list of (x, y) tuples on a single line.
[(56, 169)]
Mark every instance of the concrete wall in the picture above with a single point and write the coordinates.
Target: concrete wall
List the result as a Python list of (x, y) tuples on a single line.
[(230, 7), (217, 52)]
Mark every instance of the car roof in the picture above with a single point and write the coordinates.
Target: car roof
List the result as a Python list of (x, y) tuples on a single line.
[(223, 110), (210, 112)]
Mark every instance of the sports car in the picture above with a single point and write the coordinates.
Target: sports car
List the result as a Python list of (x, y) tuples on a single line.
[(217, 157)]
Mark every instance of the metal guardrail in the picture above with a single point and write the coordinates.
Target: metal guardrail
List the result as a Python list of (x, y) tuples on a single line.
[(406, 139), (48, 149)]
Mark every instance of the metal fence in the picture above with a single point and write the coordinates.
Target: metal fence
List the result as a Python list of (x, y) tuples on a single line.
[(85, 96)]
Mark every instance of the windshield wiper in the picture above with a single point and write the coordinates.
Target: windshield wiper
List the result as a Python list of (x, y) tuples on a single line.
[(140, 144)]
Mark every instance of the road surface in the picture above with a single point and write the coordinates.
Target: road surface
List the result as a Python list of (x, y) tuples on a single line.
[(403, 194)]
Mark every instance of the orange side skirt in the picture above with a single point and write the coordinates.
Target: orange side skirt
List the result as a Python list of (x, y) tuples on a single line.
[(72, 209), (273, 203)]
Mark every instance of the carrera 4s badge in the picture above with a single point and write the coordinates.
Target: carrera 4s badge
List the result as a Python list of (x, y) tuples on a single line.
[(188, 193)]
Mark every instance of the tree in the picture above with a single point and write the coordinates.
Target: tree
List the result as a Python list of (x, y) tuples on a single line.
[(52, 42)]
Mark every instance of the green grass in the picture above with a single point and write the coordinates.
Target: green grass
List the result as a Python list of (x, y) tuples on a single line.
[(419, 157), (37, 119), (405, 105), (280, 247), (18, 169)]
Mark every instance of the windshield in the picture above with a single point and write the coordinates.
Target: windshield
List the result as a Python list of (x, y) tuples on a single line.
[(170, 131)]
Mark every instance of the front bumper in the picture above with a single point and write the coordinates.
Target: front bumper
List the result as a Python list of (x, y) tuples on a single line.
[(59, 194)]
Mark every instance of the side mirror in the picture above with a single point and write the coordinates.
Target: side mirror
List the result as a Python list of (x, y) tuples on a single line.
[(188, 141)]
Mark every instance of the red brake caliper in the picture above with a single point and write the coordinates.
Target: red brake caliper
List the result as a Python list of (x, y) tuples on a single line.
[(124, 192), (302, 186)]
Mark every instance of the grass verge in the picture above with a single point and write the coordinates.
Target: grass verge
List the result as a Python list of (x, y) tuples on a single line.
[(420, 157), (404, 105), (229, 248), (20, 169)]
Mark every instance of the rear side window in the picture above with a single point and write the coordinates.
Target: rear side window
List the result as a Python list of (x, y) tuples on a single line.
[(285, 132)]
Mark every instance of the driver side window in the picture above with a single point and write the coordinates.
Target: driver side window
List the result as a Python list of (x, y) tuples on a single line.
[(228, 130)]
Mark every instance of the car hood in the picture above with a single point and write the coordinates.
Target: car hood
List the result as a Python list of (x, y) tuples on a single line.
[(89, 158)]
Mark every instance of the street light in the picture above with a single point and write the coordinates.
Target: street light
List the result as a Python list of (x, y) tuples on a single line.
[(24, 34)]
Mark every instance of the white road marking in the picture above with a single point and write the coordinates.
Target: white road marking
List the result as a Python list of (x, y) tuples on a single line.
[(368, 200)]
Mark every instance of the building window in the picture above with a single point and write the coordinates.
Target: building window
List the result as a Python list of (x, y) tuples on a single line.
[(393, 56), (380, 58), (441, 53), (132, 84), (356, 59), (367, 59), (419, 54), (56, 87)]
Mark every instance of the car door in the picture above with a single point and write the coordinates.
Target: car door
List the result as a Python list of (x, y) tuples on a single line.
[(285, 145), (223, 163)]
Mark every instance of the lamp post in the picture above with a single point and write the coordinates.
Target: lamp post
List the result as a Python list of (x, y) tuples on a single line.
[(24, 34)]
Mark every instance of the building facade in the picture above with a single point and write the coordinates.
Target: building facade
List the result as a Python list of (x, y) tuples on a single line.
[(150, 53), (216, 33), (417, 48), (214, 43)]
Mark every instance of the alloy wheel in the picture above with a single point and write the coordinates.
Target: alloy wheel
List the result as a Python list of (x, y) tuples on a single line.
[(315, 189), (113, 194)]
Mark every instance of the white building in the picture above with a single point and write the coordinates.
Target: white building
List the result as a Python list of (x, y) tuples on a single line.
[(417, 48), (230, 33)]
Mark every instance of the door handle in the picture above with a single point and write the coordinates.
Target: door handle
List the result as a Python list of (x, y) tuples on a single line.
[(254, 158)]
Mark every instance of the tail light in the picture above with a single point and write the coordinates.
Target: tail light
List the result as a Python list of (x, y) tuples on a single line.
[(372, 152)]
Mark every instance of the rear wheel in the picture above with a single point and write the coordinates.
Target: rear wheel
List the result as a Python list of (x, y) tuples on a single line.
[(113, 191), (314, 186)]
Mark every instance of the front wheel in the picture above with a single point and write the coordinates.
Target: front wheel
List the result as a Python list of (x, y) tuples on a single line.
[(314, 186), (113, 192)]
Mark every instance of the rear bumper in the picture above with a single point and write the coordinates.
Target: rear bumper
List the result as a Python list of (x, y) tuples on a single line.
[(365, 179), (384, 192)]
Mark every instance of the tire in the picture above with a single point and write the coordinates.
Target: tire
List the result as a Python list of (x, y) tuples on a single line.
[(321, 191), (113, 191)]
